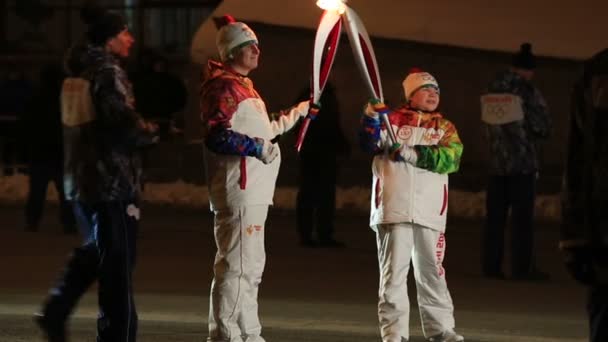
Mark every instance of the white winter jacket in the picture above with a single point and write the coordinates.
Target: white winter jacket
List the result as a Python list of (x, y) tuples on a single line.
[(233, 114), (414, 190)]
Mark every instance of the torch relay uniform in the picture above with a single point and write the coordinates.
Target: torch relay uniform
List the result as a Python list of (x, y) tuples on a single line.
[(408, 214), (237, 128)]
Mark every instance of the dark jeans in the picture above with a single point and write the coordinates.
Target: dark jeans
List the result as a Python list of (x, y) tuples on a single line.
[(516, 192), (597, 308), (41, 174), (316, 203)]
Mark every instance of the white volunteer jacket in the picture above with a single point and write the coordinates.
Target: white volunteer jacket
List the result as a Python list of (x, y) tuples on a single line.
[(402, 192), (225, 172)]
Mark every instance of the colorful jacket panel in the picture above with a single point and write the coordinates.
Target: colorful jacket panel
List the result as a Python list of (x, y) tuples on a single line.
[(584, 200), (402, 192), (233, 115), (513, 146)]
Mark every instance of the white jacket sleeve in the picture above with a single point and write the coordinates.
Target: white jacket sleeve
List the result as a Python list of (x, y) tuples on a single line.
[(286, 120)]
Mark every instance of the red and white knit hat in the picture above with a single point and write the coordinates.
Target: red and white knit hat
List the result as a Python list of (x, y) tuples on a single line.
[(417, 79), (232, 35)]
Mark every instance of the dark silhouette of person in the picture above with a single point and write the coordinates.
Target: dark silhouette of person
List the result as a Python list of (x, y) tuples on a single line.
[(15, 94), (319, 158), (159, 94), (103, 135), (45, 149), (584, 230), (514, 139)]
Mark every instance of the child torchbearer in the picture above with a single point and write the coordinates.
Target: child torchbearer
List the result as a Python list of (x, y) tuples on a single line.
[(409, 207)]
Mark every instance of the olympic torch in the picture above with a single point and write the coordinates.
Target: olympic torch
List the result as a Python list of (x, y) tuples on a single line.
[(324, 53), (365, 58), (337, 14)]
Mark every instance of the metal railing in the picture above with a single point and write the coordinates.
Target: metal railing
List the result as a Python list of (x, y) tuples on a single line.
[(43, 27)]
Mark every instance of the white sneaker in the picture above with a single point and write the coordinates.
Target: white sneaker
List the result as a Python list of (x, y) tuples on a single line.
[(254, 338), (447, 336)]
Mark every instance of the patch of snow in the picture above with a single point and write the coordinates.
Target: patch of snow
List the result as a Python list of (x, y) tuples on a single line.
[(463, 204)]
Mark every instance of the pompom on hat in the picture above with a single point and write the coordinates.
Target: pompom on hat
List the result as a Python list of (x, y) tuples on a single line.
[(232, 35), (417, 79), (102, 24), (524, 59)]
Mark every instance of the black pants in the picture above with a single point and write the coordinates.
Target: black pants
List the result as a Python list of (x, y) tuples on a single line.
[(116, 240), (316, 203), (108, 254), (597, 308), (516, 192), (8, 145), (41, 174), (80, 270)]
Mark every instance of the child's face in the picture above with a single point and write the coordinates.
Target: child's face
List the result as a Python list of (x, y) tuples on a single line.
[(425, 99)]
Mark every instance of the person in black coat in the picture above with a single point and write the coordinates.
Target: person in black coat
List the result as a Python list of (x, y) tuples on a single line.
[(45, 149), (319, 158)]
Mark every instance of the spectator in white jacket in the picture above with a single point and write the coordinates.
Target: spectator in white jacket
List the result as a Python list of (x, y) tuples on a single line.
[(242, 166), (409, 208)]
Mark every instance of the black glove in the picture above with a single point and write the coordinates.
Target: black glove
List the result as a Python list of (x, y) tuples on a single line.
[(580, 265)]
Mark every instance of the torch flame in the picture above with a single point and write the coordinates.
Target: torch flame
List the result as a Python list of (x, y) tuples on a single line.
[(332, 5)]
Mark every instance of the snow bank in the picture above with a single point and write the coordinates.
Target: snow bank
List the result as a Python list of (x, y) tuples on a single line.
[(13, 189)]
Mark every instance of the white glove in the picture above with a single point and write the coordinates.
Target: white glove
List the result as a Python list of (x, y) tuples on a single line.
[(302, 108), (374, 107), (268, 152), (409, 154), (404, 153)]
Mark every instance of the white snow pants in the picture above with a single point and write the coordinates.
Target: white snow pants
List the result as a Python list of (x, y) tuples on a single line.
[(238, 267), (425, 247)]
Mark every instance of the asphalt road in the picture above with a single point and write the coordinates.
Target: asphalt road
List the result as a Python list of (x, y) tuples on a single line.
[(306, 294)]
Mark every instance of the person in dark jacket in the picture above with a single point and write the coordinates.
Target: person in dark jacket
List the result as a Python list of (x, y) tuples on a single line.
[(103, 136), (319, 157), (45, 149), (15, 95), (81, 269), (584, 231), (516, 119), (160, 94)]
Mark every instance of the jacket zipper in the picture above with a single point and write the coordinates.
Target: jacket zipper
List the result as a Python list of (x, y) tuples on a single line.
[(243, 180), (412, 175)]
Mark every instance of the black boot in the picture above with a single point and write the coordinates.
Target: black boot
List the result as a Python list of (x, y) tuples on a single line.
[(79, 274), (54, 330)]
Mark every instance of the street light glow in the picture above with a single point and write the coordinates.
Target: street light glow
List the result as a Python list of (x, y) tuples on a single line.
[(332, 5)]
